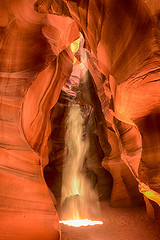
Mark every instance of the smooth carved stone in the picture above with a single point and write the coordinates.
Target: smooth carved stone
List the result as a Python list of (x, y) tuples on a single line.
[(154, 6), (126, 47), (130, 103), (152, 208), (60, 32), (129, 137), (56, 141), (113, 37), (130, 141), (35, 62), (37, 106), (149, 170), (125, 188), (25, 200), (50, 6), (56, 146), (97, 175), (31, 74)]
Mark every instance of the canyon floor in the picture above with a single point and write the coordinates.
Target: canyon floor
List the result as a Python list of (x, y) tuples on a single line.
[(118, 224)]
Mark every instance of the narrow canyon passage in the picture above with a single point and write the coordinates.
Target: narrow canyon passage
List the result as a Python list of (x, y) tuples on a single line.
[(104, 57), (118, 224)]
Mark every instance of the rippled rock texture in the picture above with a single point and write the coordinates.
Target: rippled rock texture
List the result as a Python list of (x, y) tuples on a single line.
[(127, 50), (123, 43), (35, 61), (122, 48)]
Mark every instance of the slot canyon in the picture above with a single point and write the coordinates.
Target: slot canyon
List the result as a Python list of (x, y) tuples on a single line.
[(80, 119)]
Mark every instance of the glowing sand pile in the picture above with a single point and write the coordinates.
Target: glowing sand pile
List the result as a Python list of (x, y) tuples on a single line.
[(81, 223)]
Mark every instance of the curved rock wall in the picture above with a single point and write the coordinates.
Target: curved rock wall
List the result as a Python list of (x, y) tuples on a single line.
[(123, 36), (35, 61)]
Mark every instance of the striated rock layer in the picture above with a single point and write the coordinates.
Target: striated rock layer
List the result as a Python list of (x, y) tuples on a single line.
[(123, 37), (122, 41), (34, 64)]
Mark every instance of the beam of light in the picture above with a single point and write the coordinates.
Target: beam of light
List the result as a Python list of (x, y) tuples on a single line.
[(79, 198), (81, 223), (79, 201)]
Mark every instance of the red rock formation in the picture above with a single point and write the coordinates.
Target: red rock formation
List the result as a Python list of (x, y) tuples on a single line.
[(34, 66), (123, 37), (125, 187), (35, 62)]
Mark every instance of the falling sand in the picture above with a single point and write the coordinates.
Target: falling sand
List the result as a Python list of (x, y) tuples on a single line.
[(79, 199)]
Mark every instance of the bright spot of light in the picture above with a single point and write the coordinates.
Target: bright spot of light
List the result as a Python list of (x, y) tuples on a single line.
[(75, 45), (81, 222)]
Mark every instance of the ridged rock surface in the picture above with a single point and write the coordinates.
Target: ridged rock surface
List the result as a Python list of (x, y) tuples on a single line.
[(126, 46), (122, 41), (35, 61)]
